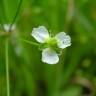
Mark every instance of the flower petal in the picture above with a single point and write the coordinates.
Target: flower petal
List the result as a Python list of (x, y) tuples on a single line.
[(50, 56), (63, 40), (7, 27), (40, 34)]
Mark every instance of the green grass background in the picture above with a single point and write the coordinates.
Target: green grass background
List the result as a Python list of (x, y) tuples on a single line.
[(75, 74)]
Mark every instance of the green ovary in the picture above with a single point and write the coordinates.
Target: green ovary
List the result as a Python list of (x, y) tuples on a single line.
[(51, 42)]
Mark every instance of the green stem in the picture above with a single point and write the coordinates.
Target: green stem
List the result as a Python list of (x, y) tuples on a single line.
[(16, 14), (7, 67), (30, 42)]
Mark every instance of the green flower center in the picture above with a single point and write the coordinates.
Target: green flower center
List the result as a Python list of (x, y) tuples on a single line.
[(51, 42)]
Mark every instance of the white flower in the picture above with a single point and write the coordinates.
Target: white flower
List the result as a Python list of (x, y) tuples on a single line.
[(61, 41), (7, 27)]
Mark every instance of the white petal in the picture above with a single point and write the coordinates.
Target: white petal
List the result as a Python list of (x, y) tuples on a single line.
[(13, 27), (40, 34), (50, 56), (63, 40), (7, 27)]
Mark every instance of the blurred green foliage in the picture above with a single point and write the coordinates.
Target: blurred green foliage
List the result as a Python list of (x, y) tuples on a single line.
[(75, 74)]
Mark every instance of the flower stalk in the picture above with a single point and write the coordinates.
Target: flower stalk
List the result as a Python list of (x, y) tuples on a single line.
[(17, 12), (30, 42), (7, 67)]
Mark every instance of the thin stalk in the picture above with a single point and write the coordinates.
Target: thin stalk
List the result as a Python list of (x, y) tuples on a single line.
[(30, 42), (7, 67), (16, 14)]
